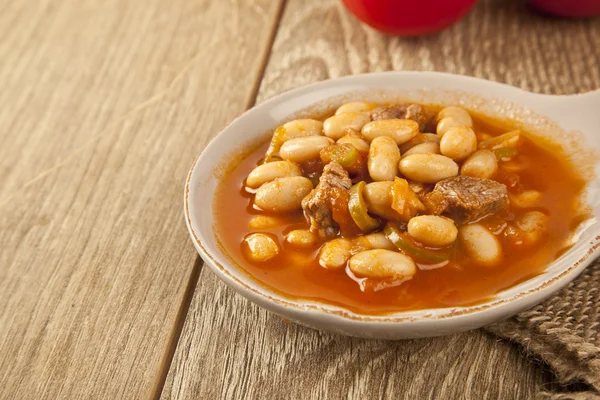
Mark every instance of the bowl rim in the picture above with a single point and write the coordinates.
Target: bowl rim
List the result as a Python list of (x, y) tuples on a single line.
[(264, 295)]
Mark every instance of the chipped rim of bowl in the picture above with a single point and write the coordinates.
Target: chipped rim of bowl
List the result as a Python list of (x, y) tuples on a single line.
[(263, 295)]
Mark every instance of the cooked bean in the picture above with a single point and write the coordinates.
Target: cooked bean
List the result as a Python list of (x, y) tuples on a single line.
[(419, 139), (481, 164), (380, 263), (283, 194), (260, 247), (458, 113), (335, 253), (458, 143), (401, 130), (445, 124), (532, 224), (301, 238), (304, 149), (424, 148), (341, 124), (432, 230), (525, 199), (384, 156), (292, 130), (264, 222), (267, 172), (379, 199), (302, 127), (360, 144), (355, 106), (428, 168), (372, 241), (480, 244)]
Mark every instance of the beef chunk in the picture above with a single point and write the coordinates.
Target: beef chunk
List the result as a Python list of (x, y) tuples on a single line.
[(317, 206), (435, 202), (418, 114), (415, 112), (466, 199), (393, 112), (420, 189)]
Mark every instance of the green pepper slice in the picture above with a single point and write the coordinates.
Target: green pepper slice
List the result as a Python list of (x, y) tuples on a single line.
[(406, 246), (344, 154), (358, 209)]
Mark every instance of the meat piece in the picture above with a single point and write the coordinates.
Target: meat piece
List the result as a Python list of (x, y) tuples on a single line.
[(420, 189), (415, 112), (466, 199), (418, 114), (435, 202), (318, 205), (393, 112)]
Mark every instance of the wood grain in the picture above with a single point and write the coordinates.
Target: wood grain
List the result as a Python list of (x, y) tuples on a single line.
[(113, 100), (231, 349)]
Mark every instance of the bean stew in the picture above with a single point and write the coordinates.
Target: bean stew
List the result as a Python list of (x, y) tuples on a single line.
[(388, 207)]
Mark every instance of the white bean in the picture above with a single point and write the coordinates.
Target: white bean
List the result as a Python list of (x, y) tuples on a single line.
[(264, 222), (526, 199), (260, 247), (401, 130), (304, 149), (302, 127), (355, 106), (372, 241), (283, 194), (360, 144), (481, 164), (379, 199), (458, 143), (458, 113), (428, 168), (270, 171), (445, 124), (481, 245), (419, 139), (335, 253), (341, 124), (301, 238), (424, 148), (432, 230), (380, 263), (533, 225), (384, 156)]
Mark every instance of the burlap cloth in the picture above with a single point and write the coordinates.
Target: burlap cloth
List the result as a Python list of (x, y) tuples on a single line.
[(564, 332)]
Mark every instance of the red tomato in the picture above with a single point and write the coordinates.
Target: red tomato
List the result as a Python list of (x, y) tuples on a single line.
[(409, 17), (569, 8)]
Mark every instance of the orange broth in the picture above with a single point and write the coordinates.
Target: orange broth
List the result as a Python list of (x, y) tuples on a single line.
[(296, 273)]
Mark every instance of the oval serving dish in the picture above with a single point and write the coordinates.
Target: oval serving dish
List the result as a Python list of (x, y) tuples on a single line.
[(572, 121)]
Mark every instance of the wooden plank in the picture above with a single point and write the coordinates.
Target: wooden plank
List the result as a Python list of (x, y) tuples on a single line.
[(230, 348), (71, 69), (95, 257)]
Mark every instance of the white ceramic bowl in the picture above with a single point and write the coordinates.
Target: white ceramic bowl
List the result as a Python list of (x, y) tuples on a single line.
[(573, 121)]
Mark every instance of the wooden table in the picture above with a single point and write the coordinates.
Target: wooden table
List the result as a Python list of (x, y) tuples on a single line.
[(103, 107)]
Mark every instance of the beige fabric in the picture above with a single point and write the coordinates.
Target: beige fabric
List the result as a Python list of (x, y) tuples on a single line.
[(564, 332)]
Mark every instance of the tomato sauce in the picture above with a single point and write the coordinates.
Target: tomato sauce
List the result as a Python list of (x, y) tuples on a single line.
[(296, 273)]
